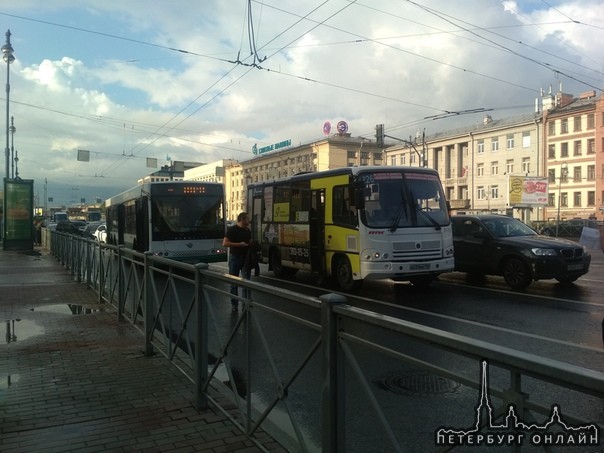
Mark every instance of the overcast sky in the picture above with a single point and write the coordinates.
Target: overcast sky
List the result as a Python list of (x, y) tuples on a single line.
[(206, 80)]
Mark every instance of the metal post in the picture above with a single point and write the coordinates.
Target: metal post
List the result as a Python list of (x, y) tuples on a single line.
[(332, 376), (148, 315), (7, 51), (201, 340), (12, 130), (121, 287), (563, 173), (101, 274)]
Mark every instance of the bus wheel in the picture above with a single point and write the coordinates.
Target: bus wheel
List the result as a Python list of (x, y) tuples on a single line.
[(343, 274)]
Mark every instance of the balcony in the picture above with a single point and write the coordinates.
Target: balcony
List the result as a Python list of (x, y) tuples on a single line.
[(460, 204)]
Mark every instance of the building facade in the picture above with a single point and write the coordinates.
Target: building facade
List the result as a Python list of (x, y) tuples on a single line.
[(574, 131), (562, 147), (476, 162)]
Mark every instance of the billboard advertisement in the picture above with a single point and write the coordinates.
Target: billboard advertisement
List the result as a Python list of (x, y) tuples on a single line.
[(527, 191)]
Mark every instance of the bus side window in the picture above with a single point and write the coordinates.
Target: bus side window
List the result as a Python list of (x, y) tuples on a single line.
[(343, 212)]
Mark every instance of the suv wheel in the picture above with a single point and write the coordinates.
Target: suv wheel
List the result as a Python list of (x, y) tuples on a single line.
[(516, 273)]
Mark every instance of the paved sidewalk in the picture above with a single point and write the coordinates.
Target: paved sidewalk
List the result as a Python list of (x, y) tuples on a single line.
[(74, 379)]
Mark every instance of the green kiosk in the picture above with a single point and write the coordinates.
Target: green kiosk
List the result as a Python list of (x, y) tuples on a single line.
[(18, 227)]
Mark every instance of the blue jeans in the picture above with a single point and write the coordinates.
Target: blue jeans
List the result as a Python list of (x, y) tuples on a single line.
[(236, 263)]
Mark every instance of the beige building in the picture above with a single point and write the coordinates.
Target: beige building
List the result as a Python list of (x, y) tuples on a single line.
[(563, 147), (476, 162), (331, 152)]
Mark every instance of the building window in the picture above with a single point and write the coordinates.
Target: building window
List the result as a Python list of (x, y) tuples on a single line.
[(495, 168), (509, 166), (480, 170), (551, 200), (526, 139), (411, 159), (577, 148), (591, 198), (551, 128), (510, 141), (526, 165), (564, 126), (577, 174), (494, 192), (480, 194), (551, 175), (564, 199), (577, 124), (393, 161), (564, 149), (495, 144), (352, 155), (591, 146), (403, 159), (551, 151), (480, 146), (591, 172), (577, 199), (591, 121), (377, 157)]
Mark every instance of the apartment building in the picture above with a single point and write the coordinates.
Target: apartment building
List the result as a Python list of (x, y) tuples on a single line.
[(574, 132), (476, 162), (560, 149)]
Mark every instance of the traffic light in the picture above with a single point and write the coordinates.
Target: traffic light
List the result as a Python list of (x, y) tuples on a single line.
[(379, 135)]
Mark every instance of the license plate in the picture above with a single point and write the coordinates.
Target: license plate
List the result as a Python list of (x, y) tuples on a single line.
[(419, 267), (575, 267)]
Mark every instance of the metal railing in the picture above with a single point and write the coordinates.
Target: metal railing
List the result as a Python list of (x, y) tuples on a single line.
[(318, 374)]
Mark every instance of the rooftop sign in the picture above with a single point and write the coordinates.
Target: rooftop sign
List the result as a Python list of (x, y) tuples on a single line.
[(264, 149)]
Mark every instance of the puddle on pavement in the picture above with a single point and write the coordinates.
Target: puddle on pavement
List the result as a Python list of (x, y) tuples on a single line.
[(71, 309), (6, 380), (20, 329)]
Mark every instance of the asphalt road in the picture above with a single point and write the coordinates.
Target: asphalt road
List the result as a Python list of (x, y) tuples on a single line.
[(548, 319)]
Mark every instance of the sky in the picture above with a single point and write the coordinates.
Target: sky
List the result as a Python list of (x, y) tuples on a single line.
[(207, 80)]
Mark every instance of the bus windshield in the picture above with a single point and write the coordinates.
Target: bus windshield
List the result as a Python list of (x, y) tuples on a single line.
[(187, 217), (402, 200)]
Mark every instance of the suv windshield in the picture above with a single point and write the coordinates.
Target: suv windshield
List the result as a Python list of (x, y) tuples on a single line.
[(403, 200), (507, 227)]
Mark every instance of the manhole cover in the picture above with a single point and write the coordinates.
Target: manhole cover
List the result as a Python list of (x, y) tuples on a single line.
[(417, 383)]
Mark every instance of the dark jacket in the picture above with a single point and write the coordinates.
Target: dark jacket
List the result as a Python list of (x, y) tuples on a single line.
[(251, 259)]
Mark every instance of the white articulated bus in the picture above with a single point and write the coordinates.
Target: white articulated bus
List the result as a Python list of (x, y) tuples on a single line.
[(355, 223), (181, 220)]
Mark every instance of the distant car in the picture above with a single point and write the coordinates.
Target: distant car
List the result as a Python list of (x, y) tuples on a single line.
[(70, 227), (101, 233), (500, 245), (90, 228)]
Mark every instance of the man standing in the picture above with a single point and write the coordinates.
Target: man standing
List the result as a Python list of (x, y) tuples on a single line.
[(237, 238)]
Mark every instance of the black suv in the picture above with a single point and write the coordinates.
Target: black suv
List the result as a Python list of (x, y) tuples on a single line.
[(500, 245)]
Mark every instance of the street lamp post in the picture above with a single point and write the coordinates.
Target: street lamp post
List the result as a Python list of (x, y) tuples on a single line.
[(563, 174), (8, 57), (12, 130)]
